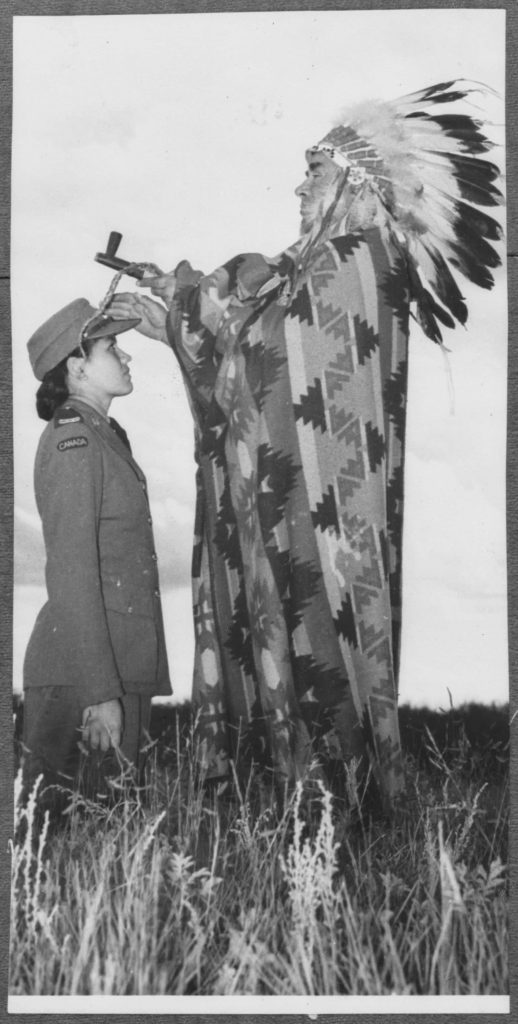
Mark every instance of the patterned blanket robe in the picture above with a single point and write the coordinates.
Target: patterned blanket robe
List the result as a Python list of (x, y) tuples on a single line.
[(298, 390)]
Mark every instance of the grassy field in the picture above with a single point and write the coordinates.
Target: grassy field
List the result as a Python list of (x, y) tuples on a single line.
[(189, 893)]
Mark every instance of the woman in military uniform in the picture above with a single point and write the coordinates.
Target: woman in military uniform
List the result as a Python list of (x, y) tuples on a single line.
[(97, 652)]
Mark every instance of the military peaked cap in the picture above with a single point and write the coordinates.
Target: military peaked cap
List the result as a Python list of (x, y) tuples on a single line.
[(64, 331)]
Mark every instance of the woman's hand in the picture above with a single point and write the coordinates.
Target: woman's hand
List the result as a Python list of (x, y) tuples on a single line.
[(129, 305), (102, 725), (162, 285)]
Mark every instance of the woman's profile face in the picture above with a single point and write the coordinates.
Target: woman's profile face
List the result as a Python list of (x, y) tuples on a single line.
[(106, 373)]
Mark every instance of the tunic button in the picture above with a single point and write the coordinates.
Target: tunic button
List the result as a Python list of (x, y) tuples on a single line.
[(157, 593), (149, 519), (130, 609), (153, 556)]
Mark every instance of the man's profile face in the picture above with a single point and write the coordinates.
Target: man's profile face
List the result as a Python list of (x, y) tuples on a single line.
[(320, 175)]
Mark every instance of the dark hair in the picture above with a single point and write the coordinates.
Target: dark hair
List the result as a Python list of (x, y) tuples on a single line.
[(53, 390)]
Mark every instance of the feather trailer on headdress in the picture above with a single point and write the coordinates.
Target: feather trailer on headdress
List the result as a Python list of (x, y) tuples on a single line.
[(428, 170)]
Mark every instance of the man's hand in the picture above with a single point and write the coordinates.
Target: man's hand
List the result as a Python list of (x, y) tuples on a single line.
[(162, 285), (129, 305), (102, 725)]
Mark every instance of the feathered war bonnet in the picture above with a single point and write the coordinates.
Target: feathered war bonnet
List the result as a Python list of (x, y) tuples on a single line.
[(425, 169)]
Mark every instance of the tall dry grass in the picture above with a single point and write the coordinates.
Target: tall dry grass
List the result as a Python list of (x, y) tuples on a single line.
[(181, 892)]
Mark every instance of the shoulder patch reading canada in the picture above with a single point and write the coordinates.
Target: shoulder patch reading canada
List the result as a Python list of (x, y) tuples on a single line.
[(72, 442)]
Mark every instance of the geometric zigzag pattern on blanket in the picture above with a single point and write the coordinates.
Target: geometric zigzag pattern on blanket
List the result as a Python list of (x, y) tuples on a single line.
[(300, 411)]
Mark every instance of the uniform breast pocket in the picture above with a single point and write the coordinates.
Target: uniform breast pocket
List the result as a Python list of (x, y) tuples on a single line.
[(135, 645)]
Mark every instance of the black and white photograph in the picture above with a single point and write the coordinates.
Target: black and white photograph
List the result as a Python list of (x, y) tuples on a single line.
[(260, 645)]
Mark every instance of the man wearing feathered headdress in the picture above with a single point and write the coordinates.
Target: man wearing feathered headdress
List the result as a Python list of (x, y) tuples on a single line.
[(296, 371)]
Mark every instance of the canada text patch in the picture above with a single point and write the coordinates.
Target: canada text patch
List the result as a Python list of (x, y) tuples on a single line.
[(72, 442)]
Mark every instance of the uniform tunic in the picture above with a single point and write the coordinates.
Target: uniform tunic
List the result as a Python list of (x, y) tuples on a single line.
[(297, 382), (101, 632)]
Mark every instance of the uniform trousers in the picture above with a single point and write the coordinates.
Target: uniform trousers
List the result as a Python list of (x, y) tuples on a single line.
[(51, 735)]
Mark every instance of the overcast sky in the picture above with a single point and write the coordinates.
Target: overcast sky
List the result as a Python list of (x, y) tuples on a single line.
[(187, 134)]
